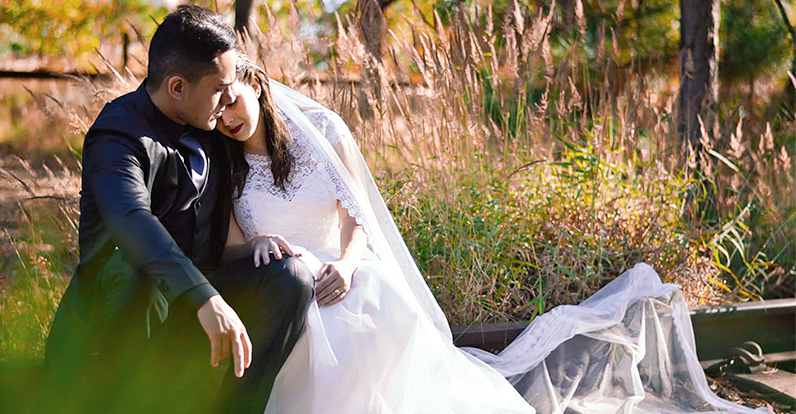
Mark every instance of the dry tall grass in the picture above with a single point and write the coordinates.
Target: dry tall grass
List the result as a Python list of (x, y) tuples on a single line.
[(523, 175), (523, 179)]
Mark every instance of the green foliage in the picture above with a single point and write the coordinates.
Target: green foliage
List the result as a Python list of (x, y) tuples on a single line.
[(307, 7), (642, 30), (70, 28), (754, 41), (46, 253), (518, 186), (501, 248)]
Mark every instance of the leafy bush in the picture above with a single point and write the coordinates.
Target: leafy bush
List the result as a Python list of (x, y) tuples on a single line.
[(523, 174)]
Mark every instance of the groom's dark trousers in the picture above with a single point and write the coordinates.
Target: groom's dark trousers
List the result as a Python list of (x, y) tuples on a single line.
[(126, 337)]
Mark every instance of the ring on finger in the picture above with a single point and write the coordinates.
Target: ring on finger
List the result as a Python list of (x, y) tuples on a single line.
[(338, 292)]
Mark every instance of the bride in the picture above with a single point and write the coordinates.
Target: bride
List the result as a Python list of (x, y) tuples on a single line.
[(377, 342)]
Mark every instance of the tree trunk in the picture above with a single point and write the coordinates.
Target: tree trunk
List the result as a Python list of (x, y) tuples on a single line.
[(243, 12), (699, 63), (792, 32), (372, 25)]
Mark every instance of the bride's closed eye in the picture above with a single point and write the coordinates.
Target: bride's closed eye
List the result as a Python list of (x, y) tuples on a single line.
[(231, 104)]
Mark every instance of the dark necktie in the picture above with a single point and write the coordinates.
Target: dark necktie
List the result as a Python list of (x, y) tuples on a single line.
[(197, 160)]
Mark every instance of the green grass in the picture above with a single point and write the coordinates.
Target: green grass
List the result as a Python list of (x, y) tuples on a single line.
[(45, 253), (517, 187)]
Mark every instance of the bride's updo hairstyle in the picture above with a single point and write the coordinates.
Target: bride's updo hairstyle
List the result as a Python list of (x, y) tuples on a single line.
[(277, 136)]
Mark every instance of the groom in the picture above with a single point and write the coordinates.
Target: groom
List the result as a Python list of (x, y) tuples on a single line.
[(131, 332)]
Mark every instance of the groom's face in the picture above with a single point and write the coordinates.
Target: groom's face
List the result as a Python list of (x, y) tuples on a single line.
[(206, 98)]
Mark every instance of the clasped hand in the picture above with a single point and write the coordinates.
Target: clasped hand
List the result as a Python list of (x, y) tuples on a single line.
[(333, 282)]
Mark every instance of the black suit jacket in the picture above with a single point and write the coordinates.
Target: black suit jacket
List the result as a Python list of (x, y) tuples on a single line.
[(140, 210)]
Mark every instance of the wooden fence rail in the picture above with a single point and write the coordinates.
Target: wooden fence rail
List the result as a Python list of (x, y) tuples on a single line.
[(44, 74)]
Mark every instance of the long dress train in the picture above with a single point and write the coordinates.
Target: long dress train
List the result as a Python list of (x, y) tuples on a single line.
[(386, 347)]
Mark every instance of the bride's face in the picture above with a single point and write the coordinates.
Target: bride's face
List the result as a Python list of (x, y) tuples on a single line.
[(239, 119)]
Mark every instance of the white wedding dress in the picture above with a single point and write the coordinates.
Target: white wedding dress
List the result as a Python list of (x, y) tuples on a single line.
[(386, 347)]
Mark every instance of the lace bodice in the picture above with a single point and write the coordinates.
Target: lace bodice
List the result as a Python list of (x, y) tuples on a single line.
[(305, 213)]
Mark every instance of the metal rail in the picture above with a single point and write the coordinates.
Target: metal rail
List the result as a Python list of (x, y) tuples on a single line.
[(771, 323)]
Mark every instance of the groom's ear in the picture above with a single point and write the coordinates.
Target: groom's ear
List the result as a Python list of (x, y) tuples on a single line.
[(177, 87)]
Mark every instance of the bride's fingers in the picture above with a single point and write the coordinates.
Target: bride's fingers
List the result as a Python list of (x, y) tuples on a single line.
[(324, 296), (324, 301), (285, 246), (330, 290), (321, 274), (325, 293), (261, 254), (337, 299), (332, 299), (275, 250), (258, 256), (328, 278)]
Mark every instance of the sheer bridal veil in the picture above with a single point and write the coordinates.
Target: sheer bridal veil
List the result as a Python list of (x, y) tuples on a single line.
[(629, 348)]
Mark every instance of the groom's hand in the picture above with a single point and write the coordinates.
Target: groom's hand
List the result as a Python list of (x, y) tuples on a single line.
[(227, 334)]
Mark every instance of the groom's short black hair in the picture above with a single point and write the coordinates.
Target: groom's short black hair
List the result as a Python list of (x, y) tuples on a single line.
[(185, 44)]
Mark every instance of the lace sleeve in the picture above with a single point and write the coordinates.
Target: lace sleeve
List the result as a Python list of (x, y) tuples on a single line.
[(346, 197), (329, 124), (333, 128)]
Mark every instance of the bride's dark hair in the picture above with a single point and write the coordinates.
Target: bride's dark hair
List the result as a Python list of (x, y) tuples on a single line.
[(277, 136)]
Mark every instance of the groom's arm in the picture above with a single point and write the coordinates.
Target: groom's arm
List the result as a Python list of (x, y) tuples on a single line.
[(116, 169)]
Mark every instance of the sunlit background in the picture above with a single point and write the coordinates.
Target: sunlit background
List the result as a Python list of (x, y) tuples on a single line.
[(529, 153)]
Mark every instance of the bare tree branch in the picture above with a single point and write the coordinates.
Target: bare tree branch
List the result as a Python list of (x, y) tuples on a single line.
[(785, 20)]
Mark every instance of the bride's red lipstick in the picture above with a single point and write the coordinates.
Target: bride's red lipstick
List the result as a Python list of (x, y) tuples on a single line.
[(236, 129)]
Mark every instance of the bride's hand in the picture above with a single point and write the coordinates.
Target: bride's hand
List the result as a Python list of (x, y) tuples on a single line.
[(333, 282), (266, 244)]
